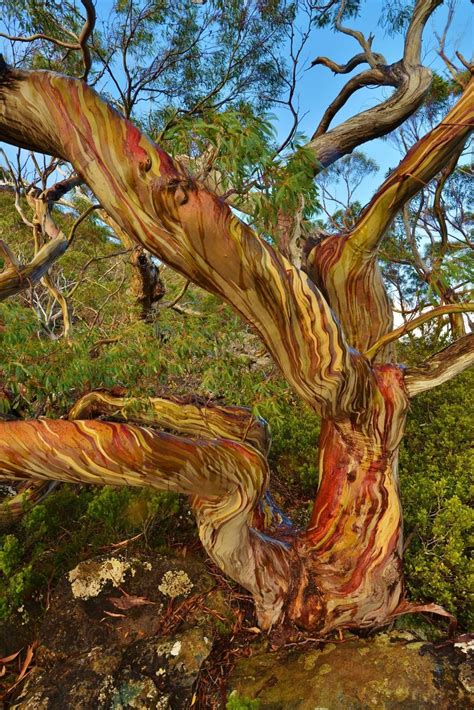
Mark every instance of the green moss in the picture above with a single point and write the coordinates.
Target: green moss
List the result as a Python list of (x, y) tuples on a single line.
[(238, 702)]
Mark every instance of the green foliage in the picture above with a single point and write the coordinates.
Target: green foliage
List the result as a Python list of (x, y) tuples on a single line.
[(236, 150), (181, 55), (396, 16), (436, 473), (295, 432), (238, 702)]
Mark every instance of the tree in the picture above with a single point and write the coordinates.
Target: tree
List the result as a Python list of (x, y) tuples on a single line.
[(328, 327)]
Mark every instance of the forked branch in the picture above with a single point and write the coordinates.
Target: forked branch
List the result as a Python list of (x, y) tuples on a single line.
[(410, 79)]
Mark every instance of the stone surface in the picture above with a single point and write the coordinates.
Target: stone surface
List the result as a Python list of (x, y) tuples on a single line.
[(384, 672), (110, 639)]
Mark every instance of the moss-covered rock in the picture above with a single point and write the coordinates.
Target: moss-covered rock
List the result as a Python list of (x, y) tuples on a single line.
[(385, 672)]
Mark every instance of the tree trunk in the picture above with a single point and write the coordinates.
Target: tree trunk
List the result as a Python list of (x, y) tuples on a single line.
[(352, 548), (344, 571)]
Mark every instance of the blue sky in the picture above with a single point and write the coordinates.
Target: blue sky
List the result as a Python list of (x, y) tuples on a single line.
[(318, 86)]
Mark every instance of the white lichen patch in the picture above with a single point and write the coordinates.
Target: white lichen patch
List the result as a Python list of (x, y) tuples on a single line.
[(176, 648), (175, 584), (465, 645), (90, 577)]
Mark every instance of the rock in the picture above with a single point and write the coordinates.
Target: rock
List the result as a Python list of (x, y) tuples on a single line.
[(109, 639), (384, 672)]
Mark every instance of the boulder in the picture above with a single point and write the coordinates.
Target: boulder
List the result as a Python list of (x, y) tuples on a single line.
[(388, 671)]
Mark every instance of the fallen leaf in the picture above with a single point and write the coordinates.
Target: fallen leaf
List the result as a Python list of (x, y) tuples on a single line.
[(28, 658), (128, 602), (7, 659)]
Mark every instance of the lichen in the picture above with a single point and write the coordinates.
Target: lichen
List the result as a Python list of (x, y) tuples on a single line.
[(89, 578), (175, 584)]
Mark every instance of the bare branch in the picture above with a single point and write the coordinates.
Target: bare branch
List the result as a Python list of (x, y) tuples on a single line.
[(81, 43), (358, 59), (411, 79), (372, 77), (178, 298), (17, 277)]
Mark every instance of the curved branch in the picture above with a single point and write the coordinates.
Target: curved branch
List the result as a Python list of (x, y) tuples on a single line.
[(356, 61), (178, 297), (420, 165), (226, 479), (408, 75), (372, 77), (441, 367), (190, 417), (345, 266), (416, 322), (190, 229)]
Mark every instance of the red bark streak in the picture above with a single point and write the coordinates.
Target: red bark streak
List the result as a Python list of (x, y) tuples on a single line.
[(132, 144)]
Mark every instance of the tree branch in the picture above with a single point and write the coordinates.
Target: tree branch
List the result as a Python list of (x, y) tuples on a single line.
[(16, 277), (190, 229), (356, 61), (345, 266), (441, 367), (226, 479), (420, 165), (416, 322), (408, 75), (187, 416)]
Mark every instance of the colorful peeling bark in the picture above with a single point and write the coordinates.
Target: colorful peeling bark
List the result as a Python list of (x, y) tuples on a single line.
[(345, 569)]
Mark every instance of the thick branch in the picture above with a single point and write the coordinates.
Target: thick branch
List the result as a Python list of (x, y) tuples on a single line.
[(188, 228), (371, 77), (345, 266), (420, 165), (441, 367), (226, 479), (183, 416)]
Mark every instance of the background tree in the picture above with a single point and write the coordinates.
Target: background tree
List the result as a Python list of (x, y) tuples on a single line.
[(329, 329)]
